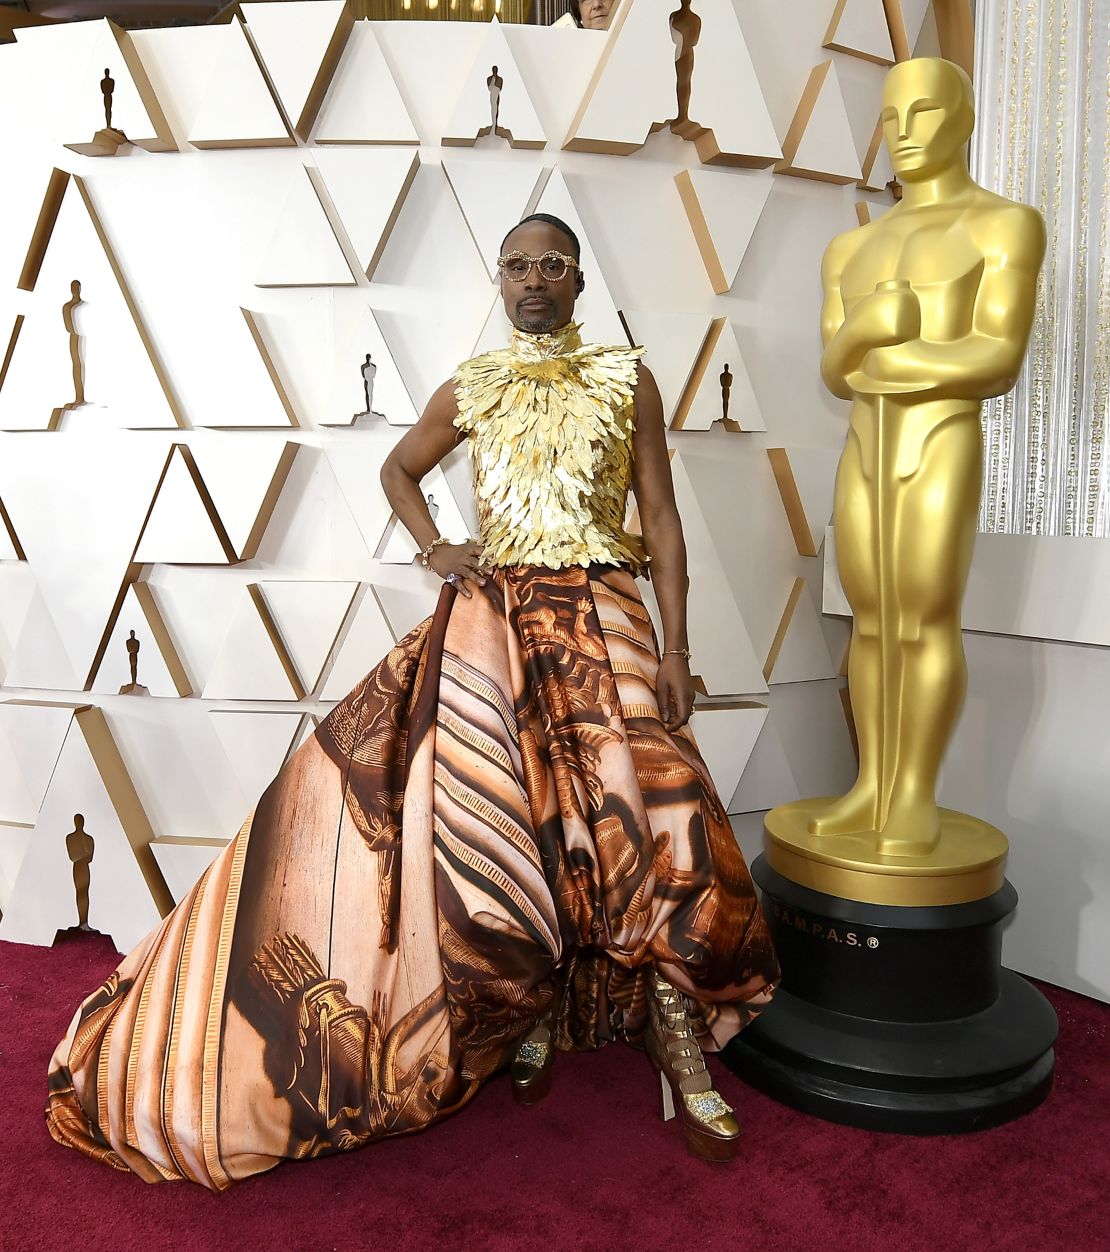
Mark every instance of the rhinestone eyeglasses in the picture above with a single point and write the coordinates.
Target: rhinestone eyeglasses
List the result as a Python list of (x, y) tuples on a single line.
[(553, 266)]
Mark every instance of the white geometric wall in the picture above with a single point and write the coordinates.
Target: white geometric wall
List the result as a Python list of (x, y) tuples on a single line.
[(302, 192)]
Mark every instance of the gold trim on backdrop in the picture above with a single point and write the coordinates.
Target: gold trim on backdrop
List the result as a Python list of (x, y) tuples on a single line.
[(443, 10), (956, 32)]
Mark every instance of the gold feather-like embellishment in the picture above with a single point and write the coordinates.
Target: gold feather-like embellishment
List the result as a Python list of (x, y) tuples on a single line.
[(550, 423)]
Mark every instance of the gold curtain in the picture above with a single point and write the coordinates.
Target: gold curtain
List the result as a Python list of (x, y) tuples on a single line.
[(443, 10), (544, 12)]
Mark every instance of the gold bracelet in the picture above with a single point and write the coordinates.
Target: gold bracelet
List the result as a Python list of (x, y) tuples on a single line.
[(685, 653), (426, 554)]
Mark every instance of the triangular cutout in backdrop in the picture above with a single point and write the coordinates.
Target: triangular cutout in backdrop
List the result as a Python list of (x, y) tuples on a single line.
[(364, 640), (82, 337), (252, 663), (876, 166), (183, 527), (723, 210), (92, 492), (256, 745), (673, 342), (158, 665), (244, 475), (726, 733), (397, 546), (84, 49), (819, 143), (806, 479), (490, 195), (238, 110), (308, 616), (89, 791), (363, 104), (473, 114), (367, 186), (632, 91), (725, 659), (302, 250), (703, 401), (859, 28), (727, 118), (299, 44), (800, 652)]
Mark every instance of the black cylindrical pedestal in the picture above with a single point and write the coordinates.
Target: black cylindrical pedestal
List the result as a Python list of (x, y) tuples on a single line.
[(896, 1018)]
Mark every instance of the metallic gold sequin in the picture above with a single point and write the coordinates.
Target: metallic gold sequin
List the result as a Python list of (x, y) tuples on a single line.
[(550, 422)]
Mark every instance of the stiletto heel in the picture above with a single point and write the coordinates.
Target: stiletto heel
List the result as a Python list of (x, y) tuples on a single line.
[(667, 1112), (708, 1125)]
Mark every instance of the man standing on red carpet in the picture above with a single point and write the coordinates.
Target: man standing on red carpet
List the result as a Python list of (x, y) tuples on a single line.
[(502, 842)]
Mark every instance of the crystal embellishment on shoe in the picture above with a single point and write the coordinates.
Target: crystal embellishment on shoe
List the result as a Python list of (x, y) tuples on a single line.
[(707, 1105), (532, 1052), (532, 1062)]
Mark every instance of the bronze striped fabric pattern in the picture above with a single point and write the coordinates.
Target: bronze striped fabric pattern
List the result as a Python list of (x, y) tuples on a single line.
[(495, 819)]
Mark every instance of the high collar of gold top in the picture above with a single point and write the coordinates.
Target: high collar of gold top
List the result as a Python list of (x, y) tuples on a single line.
[(544, 353)]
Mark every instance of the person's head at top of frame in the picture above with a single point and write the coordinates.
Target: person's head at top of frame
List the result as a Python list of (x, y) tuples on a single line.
[(540, 275), (593, 14)]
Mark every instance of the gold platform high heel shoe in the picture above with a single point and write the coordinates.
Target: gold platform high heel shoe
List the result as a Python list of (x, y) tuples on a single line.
[(531, 1066), (710, 1129)]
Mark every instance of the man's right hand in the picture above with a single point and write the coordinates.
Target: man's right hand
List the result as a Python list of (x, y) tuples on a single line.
[(461, 559)]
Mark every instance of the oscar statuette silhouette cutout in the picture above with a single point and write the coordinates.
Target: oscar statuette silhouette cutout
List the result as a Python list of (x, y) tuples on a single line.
[(79, 848), (727, 378), (685, 31), (134, 687), (368, 369), (109, 139), (71, 320), (887, 910), (495, 83), (107, 86)]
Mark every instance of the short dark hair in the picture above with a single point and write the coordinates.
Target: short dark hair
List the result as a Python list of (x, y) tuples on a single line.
[(549, 219), (574, 7)]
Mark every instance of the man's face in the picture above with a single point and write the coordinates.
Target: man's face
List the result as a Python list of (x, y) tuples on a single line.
[(597, 14), (536, 304), (927, 117)]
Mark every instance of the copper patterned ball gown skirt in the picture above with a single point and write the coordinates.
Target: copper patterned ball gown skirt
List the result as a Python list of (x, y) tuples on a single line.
[(493, 821)]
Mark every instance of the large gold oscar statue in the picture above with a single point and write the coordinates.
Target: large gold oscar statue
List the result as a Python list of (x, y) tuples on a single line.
[(895, 1011), (927, 313)]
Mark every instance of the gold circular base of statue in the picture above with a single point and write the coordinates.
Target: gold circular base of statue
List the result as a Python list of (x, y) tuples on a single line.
[(968, 862)]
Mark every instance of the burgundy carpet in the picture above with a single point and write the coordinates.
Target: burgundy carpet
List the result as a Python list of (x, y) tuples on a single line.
[(591, 1168)]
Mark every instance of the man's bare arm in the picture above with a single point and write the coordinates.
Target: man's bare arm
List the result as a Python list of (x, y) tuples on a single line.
[(662, 531), (418, 452)]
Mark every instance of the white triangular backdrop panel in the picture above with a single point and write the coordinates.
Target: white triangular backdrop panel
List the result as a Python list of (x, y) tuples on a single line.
[(365, 249), (292, 40)]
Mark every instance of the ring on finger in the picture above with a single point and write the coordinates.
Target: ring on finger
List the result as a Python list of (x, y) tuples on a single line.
[(452, 579)]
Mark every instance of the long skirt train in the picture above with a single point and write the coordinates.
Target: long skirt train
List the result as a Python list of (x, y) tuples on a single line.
[(493, 821)]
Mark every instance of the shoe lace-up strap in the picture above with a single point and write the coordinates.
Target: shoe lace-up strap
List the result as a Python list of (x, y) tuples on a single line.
[(684, 1055)]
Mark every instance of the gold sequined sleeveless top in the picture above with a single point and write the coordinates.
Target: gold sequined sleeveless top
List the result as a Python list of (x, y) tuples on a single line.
[(549, 422)]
